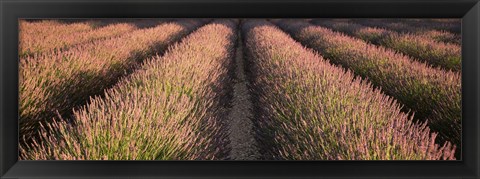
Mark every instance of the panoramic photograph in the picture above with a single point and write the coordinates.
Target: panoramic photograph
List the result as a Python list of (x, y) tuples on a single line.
[(240, 89)]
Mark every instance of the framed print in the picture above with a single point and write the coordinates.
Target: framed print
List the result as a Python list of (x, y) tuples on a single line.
[(164, 89)]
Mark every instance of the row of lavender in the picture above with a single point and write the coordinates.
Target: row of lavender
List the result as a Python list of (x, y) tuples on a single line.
[(311, 109), (429, 31), (307, 108), (53, 83), (445, 25), (44, 36), (431, 93), (418, 46), (168, 109)]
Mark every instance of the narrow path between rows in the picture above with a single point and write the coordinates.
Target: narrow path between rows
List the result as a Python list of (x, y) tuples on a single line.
[(242, 141)]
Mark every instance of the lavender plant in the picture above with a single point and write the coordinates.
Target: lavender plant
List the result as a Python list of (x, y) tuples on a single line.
[(438, 54), (403, 27), (169, 109), (56, 82), (431, 93), (313, 110)]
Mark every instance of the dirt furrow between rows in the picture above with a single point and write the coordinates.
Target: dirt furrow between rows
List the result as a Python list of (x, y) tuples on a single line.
[(242, 141)]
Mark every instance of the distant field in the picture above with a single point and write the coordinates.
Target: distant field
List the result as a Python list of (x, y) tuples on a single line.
[(240, 89)]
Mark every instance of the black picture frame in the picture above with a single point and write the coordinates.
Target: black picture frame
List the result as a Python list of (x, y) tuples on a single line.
[(12, 10)]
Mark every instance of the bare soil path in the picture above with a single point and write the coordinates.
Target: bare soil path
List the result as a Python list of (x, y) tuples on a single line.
[(242, 141)]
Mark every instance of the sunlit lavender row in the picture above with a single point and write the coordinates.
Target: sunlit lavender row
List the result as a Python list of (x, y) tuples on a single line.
[(61, 38), (169, 109), (54, 83), (431, 93), (314, 110)]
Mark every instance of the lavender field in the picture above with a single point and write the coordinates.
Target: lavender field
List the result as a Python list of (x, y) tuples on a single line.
[(240, 89)]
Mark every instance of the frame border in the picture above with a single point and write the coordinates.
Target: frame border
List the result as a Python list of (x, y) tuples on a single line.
[(12, 10)]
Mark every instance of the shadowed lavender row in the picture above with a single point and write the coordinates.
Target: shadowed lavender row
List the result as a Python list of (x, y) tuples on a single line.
[(438, 54), (449, 25), (403, 27)]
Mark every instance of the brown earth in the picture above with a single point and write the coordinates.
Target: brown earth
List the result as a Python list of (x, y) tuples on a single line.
[(242, 141)]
